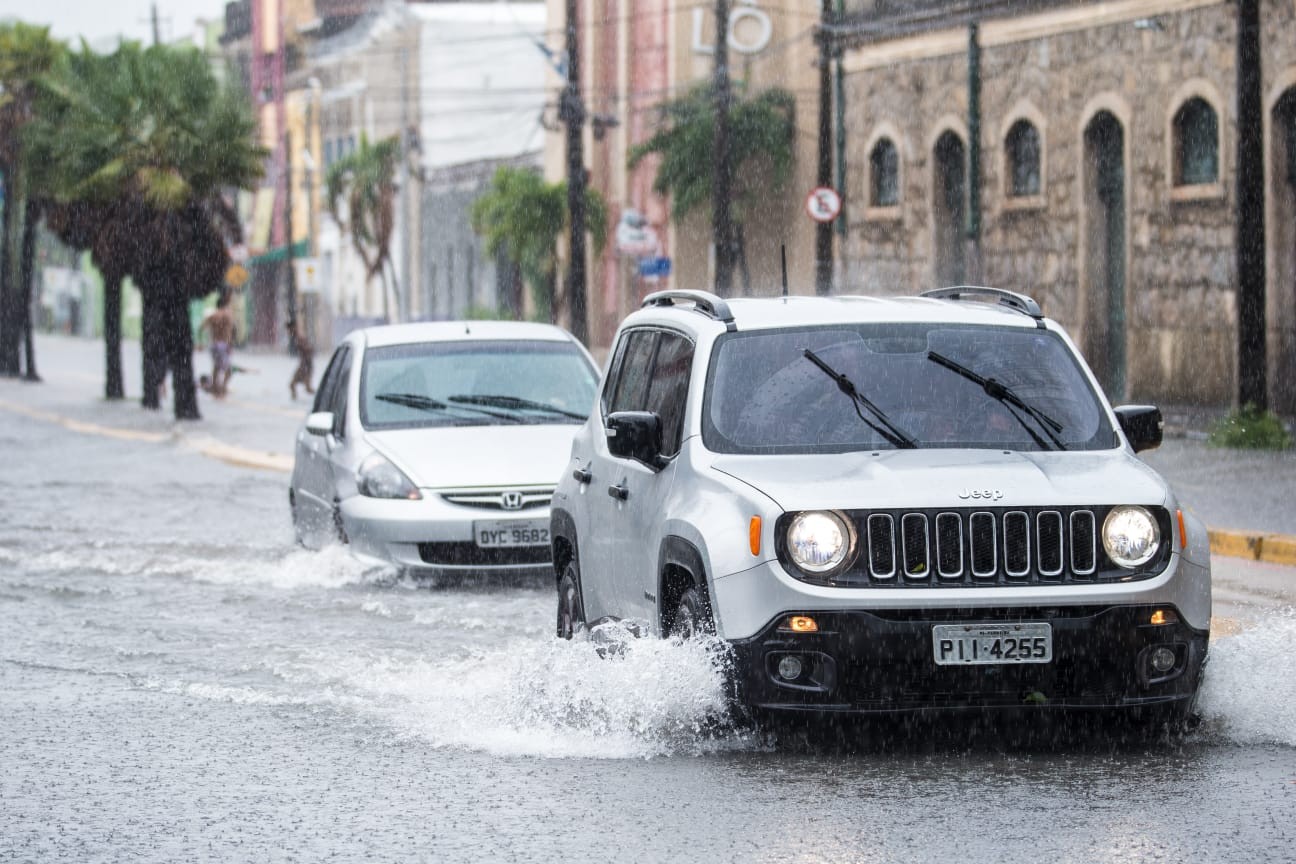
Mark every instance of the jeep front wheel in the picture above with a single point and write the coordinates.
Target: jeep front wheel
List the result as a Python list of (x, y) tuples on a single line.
[(692, 616), (571, 610)]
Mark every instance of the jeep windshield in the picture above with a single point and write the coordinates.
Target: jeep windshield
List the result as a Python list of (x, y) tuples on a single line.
[(765, 396)]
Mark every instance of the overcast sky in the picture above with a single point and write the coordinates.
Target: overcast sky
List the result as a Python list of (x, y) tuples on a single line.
[(100, 20)]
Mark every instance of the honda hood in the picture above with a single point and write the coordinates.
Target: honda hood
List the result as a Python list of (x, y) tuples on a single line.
[(466, 456)]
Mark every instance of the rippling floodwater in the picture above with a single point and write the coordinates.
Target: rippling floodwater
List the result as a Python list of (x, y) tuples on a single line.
[(178, 683)]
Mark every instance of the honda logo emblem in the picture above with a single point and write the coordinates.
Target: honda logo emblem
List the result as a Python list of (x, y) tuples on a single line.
[(511, 500)]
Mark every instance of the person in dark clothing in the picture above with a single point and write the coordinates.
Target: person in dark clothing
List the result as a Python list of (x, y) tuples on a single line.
[(305, 363)]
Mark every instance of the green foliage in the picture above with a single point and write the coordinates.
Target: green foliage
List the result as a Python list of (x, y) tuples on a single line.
[(1250, 429), (521, 216), (762, 127), (148, 123), (366, 178)]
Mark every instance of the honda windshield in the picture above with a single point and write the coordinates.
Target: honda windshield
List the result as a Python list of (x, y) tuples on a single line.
[(475, 383), (765, 396)]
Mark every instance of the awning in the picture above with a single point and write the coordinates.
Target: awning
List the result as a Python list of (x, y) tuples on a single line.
[(300, 249)]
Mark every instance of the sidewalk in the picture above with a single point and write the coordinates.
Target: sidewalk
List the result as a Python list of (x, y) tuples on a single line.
[(1248, 499)]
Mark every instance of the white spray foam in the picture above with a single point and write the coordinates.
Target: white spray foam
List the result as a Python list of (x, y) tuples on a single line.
[(552, 698), (1250, 686)]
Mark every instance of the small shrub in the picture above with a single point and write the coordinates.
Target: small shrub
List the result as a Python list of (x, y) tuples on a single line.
[(1250, 429)]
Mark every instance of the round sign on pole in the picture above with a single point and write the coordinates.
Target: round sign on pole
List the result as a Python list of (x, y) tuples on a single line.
[(823, 204)]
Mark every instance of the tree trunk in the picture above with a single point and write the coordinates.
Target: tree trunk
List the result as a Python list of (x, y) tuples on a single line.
[(153, 345), (740, 246), (25, 287), (179, 357), (113, 388), (10, 311)]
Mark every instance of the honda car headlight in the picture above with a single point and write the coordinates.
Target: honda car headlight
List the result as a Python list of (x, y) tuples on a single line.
[(818, 541), (1130, 536), (379, 478)]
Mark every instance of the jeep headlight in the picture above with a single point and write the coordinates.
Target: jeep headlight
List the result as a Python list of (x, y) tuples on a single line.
[(818, 541), (379, 478), (1131, 536)]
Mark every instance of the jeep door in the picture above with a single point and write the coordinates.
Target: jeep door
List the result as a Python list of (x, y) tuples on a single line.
[(653, 377)]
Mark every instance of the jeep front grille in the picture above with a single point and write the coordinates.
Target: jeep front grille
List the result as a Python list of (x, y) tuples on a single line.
[(983, 547)]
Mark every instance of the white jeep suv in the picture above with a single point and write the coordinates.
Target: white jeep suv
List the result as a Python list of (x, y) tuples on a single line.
[(883, 505)]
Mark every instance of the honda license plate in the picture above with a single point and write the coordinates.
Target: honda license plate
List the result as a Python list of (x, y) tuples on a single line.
[(503, 533), (990, 644)]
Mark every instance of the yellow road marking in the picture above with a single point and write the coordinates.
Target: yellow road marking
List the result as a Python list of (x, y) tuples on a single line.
[(227, 453)]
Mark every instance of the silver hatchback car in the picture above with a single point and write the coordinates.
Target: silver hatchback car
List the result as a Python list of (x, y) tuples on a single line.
[(884, 504), (435, 447)]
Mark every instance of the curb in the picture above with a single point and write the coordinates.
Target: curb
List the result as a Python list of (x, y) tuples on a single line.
[(1270, 548)]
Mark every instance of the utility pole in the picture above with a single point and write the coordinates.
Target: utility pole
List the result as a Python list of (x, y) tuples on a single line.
[(288, 244), (573, 114), (840, 87), (722, 180), (1249, 220), (824, 230), (972, 270), (157, 33)]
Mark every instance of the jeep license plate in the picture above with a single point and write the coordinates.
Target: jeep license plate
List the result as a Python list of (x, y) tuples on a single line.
[(991, 644), (503, 533)]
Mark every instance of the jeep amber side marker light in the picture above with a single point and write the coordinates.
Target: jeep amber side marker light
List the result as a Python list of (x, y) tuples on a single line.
[(754, 535)]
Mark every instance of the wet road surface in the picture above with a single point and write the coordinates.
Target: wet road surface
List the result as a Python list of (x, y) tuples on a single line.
[(178, 683)]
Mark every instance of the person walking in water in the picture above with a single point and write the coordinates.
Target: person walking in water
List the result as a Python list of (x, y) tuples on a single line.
[(305, 362), (220, 326)]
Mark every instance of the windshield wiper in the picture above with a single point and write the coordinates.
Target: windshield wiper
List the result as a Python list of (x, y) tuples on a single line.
[(426, 403), (1000, 392), (891, 432), (513, 402)]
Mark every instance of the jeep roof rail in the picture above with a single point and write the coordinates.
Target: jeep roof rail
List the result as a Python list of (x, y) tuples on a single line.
[(1012, 299), (703, 301)]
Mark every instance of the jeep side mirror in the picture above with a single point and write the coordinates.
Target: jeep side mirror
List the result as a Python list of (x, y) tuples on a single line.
[(1142, 425), (320, 423), (635, 435)]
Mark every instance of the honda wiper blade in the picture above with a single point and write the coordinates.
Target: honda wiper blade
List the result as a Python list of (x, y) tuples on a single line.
[(513, 402), (888, 430), (998, 391), (426, 403)]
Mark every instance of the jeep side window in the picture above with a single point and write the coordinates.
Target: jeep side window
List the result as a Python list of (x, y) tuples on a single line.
[(668, 389), (633, 376)]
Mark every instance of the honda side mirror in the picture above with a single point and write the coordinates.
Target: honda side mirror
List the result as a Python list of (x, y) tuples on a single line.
[(320, 423), (1142, 425), (635, 435)]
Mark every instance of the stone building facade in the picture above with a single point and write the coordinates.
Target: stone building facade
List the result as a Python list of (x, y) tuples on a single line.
[(1107, 167)]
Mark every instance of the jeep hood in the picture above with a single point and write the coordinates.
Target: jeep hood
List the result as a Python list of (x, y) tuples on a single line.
[(948, 478)]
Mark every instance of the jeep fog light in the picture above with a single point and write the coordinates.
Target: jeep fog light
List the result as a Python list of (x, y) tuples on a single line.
[(1162, 660), (1131, 536), (818, 541), (789, 668)]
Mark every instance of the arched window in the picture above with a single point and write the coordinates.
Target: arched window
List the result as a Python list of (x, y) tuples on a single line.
[(1196, 143), (884, 171), (1023, 148)]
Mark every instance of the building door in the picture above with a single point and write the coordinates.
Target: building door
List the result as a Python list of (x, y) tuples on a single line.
[(949, 197), (1106, 234), (1282, 280)]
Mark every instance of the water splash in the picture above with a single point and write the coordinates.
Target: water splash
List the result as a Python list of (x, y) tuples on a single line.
[(551, 698), (1249, 693)]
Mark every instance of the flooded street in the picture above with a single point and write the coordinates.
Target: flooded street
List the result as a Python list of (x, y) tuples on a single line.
[(177, 682)]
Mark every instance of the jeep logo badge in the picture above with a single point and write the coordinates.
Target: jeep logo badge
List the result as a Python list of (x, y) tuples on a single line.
[(981, 494), (511, 500)]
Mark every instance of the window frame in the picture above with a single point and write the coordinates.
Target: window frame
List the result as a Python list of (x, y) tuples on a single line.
[(1178, 192)]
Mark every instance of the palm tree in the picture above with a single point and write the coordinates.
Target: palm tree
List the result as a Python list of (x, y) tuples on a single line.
[(366, 179), (138, 148), (27, 56), (521, 216), (762, 129)]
